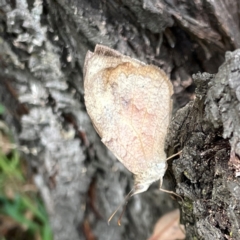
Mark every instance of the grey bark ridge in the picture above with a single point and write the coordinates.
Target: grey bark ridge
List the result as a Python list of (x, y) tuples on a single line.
[(207, 174)]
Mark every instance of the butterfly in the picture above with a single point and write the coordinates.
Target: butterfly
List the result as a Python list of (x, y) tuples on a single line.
[(130, 105)]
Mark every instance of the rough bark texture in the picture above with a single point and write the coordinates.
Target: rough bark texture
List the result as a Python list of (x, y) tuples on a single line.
[(207, 173), (42, 49)]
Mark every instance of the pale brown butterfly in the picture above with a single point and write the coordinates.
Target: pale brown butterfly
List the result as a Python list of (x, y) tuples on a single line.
[(130, 106)]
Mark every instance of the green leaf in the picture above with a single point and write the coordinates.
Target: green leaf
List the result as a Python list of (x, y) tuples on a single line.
[(2, 109)]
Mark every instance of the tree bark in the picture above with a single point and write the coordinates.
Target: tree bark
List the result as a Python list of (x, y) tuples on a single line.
[(42, 48)]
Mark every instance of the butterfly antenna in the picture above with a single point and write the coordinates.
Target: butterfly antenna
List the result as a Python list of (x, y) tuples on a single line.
[(125, 204), (123, 211)]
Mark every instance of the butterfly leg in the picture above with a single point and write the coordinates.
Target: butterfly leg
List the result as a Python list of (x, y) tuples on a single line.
[(164, 190)]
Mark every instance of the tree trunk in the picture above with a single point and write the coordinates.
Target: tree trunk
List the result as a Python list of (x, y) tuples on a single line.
[(42, 49)]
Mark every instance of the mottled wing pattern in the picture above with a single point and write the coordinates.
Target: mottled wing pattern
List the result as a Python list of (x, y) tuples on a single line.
[(130, 106)]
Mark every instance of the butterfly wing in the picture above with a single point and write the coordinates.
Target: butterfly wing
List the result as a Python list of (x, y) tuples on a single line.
[(130, 106)]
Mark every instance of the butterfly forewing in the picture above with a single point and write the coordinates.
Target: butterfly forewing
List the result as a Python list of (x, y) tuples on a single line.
[(130, 106)]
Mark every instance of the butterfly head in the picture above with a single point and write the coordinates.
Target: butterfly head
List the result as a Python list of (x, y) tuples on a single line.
[(152, 174)]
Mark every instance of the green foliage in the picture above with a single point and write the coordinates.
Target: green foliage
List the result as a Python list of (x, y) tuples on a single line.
[(2, 110), (17, 209), (23, 206)]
